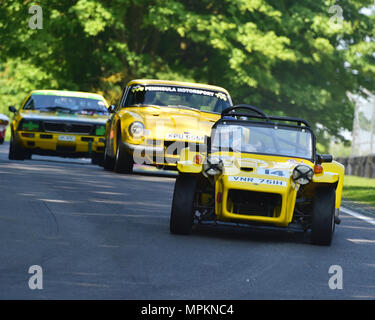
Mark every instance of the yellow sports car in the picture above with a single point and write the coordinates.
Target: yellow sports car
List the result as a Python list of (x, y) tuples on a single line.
[(61, 123), (156, 119), (259, 170)]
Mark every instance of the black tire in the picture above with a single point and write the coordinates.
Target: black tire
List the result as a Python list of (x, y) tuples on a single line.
[(108, 162), (323, 218), (17, 152), (124, 161), (182, 213)]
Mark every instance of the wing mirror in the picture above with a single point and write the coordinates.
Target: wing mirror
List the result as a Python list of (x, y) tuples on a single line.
[(12, 109), (321, 158), (112, 108)]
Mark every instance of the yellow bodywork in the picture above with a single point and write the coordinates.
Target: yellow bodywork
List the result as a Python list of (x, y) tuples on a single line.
[(252, 172), (163, 127), (48, 141)]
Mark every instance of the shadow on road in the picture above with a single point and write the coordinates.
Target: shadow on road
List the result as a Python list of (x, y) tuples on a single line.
[(250, 233)]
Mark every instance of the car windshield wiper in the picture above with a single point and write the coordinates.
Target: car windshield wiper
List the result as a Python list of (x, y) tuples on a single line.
[(57, 108)]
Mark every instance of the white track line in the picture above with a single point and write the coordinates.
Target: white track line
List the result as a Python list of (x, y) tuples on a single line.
[(358, 215)]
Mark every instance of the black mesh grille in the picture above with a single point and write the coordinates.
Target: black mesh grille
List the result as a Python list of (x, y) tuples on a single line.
[(254, 203), (68, 127)]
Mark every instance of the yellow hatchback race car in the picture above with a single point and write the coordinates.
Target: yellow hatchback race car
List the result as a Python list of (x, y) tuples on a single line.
[(59, 123), (259, 170), (156, 119)]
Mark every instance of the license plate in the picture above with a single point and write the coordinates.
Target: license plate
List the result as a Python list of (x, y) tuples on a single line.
[(67, 138), (184, 136), (258, 181)]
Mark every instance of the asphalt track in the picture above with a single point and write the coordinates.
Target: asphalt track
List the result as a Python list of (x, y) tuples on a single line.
[(102, 235)]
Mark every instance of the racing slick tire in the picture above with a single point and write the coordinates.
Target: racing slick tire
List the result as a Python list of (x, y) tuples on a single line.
[(17, 152), (124, 161), (323, 217), (182, 213), (109, 162)]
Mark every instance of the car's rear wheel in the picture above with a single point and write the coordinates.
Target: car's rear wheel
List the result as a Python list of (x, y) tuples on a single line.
[(124, 161), (182, 213), (323, 218), (17, 152)]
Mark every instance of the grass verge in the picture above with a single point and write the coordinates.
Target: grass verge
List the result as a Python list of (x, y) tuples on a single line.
[(360, 190)]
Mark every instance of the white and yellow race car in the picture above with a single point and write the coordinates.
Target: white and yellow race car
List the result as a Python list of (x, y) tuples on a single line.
[(259, 170)]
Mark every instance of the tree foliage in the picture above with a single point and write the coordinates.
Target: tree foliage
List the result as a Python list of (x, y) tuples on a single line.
[(287, 56)]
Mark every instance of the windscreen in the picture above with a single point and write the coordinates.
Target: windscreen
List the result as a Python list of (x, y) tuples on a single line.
[(66, 104), (263, 139), (178, 97)]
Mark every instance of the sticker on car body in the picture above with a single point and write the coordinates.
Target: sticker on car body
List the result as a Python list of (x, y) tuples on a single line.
[(254, 180), (274, 172)]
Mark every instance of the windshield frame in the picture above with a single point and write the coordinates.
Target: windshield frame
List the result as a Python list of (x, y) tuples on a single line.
[(269, 124), (128, 92)]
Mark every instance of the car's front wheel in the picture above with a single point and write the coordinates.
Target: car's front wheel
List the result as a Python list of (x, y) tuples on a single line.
[(323, 218), (182, 213), (108, 162), (17, 152), (124, 161)]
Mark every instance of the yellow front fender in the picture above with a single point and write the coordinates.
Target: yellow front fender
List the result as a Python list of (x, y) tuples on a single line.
[(333, 173)]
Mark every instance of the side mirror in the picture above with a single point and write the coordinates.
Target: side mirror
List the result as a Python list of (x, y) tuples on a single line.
[(12, 109), (324, 158), (112, 108)]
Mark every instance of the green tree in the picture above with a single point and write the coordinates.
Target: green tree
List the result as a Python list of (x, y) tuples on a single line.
[(287, 56)]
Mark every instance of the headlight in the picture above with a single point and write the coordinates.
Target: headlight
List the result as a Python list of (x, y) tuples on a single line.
[(303, 174), (214, 166), (136, 129)]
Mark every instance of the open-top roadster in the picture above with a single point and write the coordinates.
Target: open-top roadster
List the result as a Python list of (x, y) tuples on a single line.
[(259, 170)]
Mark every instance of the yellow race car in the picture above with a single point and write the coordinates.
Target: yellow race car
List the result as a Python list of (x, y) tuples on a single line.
[(59, 123), (156, 119), (259, 170)]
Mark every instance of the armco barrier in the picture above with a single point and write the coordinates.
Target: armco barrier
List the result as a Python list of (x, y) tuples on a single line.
[(359, 166)]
